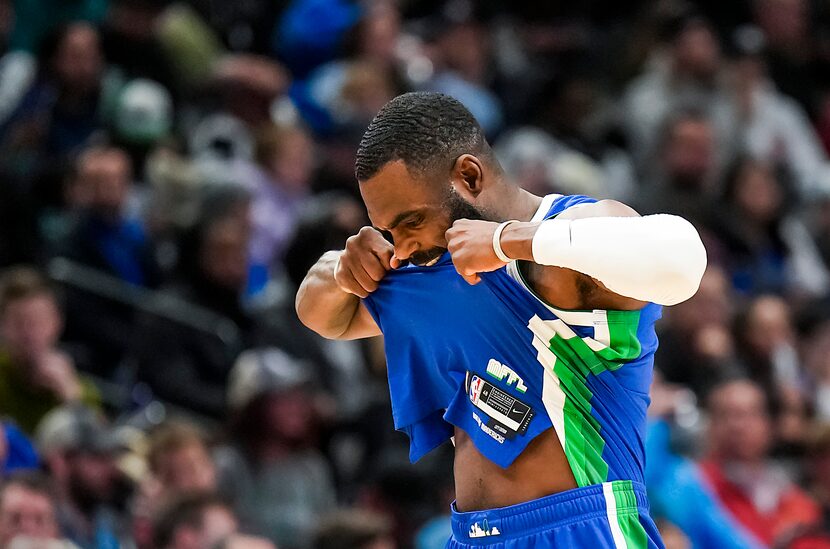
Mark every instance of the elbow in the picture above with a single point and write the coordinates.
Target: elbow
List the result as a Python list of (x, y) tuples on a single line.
[(300, 306), (684, 271), (327, 333), (305, 313), (318, 327)]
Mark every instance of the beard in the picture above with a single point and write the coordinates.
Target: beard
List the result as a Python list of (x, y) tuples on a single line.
[(456, 208)]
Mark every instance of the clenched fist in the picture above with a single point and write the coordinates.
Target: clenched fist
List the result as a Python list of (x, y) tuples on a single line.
[(364, 262), (470, 243)]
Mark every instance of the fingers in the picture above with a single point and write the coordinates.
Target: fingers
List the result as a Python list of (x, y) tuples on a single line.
[(364, 262), (387, 258), (363, 278), (359, 276), (469, 275), (375, 266), (347, 282)]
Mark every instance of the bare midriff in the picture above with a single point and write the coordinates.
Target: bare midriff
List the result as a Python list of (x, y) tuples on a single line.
[(541, 470)]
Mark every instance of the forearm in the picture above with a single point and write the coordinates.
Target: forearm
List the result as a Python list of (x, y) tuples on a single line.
[(657, 258), (321, 304)]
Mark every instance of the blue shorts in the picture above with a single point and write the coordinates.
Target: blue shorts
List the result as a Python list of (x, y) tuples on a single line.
[(612, 514)]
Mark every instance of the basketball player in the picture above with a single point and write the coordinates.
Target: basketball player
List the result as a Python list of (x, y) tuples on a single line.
[(530, 343)]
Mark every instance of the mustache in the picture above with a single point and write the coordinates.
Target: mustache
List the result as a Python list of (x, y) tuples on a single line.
[(456, 208), (425, 257)]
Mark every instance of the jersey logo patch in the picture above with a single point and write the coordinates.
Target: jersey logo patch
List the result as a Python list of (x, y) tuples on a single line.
[(500, 371)]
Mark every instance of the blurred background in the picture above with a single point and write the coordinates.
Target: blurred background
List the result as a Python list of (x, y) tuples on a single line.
[(169, 170)]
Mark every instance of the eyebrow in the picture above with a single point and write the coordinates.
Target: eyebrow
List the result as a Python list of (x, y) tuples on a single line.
[(400, 218)]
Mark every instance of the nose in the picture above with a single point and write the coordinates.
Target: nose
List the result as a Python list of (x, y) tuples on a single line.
[(405, 247)]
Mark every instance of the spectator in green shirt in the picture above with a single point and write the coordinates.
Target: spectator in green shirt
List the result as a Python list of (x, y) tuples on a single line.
[(35, 375)]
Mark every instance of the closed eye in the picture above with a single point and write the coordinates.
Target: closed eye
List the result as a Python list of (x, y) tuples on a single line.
[(414, 222)]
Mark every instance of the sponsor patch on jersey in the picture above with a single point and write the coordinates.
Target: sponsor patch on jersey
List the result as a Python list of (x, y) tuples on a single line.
[(508, 416)]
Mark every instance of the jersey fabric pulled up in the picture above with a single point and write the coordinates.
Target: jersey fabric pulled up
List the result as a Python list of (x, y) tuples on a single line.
[(496, 361)]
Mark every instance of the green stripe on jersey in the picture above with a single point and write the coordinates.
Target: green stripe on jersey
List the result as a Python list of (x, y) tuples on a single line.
[(575, 360), (628, 516)]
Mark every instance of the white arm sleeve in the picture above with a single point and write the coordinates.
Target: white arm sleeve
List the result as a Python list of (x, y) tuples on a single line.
[(658, 258)]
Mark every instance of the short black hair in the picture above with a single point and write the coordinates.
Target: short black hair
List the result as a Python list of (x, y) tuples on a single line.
[(426, 130)]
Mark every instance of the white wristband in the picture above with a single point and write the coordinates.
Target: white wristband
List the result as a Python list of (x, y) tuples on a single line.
[(497, 241)]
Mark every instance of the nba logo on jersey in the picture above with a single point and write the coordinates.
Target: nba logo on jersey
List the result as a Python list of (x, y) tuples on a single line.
[(476, 385)]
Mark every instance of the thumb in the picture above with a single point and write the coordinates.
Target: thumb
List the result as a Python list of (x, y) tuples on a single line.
[(472, 279)]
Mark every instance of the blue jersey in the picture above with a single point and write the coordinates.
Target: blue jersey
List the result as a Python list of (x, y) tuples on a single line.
[(501, 364)]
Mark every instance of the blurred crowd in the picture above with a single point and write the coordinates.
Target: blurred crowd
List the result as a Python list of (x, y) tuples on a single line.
[(170, 169)]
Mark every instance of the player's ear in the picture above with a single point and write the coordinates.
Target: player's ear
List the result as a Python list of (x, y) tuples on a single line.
[(467, 175)]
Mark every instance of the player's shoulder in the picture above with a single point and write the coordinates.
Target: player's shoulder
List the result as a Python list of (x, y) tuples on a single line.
[(561, 202), (579, 206)]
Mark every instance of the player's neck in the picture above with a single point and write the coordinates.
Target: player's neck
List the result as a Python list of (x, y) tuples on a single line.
[(516, 203)]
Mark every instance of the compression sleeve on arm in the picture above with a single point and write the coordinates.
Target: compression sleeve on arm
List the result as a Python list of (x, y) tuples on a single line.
[(657, 258)]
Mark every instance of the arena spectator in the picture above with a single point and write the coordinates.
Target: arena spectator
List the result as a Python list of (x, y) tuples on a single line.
[(683, 174), (184, 364), (773, 127), (27, 509), (697, 347), (689, 73), (756, 491), (766, 339), (62, 108), (106, 235), (681, 498), (769, 248), (79, 451), (187, 363), (346, 92), (300, 39), (273, 469), (180, 459), (201, 520), (35, 374), (280, 185)]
